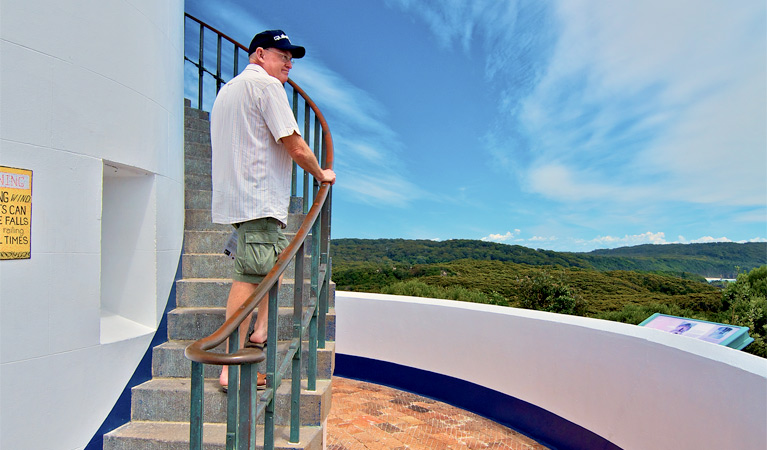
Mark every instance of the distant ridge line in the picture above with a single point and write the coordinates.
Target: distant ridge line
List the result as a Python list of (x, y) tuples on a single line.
[(713, 260)]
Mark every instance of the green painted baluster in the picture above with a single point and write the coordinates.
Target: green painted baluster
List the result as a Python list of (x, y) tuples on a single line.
[(311, 371), (200, 70), (293, 179), (232, 395), (322, 301), (218, 64), (272, 382), (317, 148), (196, 420), (236, 69), (311, 366), (295, 392), (253, 405), (319, 315), (324, 159), (244, 434), (325, 261), (317, 132), (307, 128)]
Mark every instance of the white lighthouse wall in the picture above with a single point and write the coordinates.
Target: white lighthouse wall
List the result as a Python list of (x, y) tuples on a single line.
[(91, 101)]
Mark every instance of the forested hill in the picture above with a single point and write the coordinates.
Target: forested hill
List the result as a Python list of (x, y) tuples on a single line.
[(709, 260), (717, 259)]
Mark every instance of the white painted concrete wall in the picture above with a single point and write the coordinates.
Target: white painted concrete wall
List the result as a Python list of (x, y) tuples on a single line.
[(91, 100), (639, 388)]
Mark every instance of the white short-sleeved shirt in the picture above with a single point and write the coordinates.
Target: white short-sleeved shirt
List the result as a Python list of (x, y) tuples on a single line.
[(251, 168)]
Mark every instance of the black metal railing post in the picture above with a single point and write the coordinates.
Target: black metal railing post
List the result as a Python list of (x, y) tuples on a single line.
[(200, 70)]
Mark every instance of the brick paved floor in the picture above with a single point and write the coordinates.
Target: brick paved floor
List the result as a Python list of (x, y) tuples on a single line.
[(366, 416)]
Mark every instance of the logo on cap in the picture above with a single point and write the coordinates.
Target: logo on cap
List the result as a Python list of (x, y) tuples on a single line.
[(282, 36)]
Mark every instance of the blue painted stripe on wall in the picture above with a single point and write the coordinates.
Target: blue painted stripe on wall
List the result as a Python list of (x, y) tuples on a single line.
[(545, 427)]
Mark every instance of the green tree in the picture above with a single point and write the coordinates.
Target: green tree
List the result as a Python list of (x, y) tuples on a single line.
[(542, 292), (747, 298), (415, 288)]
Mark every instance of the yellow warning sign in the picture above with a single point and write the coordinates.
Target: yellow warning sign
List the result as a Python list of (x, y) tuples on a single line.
[(15, 213)]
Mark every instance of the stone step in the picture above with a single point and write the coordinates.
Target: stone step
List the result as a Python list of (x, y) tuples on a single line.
[(206, 241), (200, 220), (197, 199), (197, 145), (214, 241), (194, 112), (175, 436), (197, 166), (198, 181), (206, 265), (169, 361), (212, 292), (196, 136), (197, 122), (194, 323), (167, 400), (296, 206)]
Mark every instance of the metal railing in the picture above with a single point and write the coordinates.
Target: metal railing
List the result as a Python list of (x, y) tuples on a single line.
[(244, 403)]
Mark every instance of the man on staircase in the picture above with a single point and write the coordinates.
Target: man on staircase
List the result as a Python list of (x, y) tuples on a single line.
[(254, 136)]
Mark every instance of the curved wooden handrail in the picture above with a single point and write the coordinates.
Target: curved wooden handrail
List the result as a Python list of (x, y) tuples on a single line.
[(199, 350), (220, 33)]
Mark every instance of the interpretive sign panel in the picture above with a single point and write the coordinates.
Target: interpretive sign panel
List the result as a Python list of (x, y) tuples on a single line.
[(15, 213), (718, 333)]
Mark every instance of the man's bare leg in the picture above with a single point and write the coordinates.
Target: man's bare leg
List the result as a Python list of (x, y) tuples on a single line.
[(240, 292), (261, 326)]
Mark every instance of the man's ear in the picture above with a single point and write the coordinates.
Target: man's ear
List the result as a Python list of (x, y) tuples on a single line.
[(254, 58)]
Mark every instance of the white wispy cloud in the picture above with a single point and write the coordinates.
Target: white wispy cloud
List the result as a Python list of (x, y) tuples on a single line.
[(508, 236), (627, 240), (650, 237), (489, 23), (706, 240), (568, 184), (757, 215), (542, 239), (598, 242), (621, 94), (710, 239), (652, 92), (380, 189)]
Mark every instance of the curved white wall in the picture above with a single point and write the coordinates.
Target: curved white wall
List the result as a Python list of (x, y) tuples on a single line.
[(92, 102), (637, 387)]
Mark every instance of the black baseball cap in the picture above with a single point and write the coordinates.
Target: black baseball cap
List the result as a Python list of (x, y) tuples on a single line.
[(275, 39)]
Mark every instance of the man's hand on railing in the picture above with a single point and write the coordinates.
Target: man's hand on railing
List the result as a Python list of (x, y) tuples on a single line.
[(328, 176)]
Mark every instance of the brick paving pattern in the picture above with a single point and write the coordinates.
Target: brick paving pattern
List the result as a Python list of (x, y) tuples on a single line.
[(366, 416)]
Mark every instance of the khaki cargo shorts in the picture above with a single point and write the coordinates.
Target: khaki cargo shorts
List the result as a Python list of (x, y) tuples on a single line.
[(259, 243)]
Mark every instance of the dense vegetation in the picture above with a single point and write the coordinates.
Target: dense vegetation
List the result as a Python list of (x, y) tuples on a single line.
[(668, 281), (723, 259), (429, 252)]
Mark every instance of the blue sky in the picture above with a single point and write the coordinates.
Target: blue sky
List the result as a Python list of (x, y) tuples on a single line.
[(563, 125)]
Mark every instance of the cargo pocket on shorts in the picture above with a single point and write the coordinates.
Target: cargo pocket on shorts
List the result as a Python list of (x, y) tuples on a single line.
[(261, 252)]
